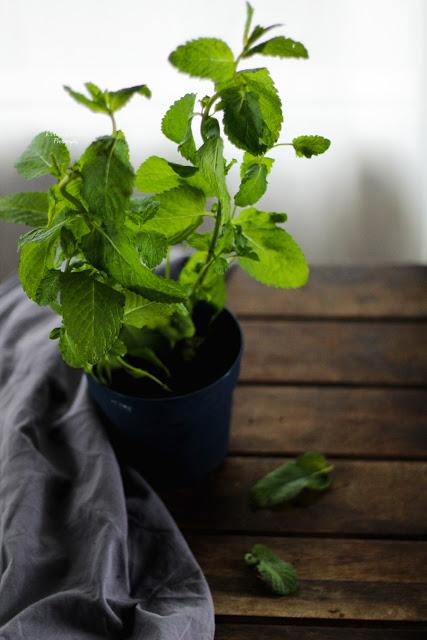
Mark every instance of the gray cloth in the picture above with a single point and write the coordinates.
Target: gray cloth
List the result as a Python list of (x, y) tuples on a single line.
[(87, 549)]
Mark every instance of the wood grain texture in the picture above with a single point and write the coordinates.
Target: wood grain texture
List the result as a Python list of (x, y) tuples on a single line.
[(367, 498), (337, 421), (339, 579), (363, 292), (303, 632), (335, 352)]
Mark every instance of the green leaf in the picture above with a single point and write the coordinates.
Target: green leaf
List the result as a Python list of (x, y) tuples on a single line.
[(155, 175), (115, 253), (41, 234), (142, 209), (48, 290), (107, 101), (92, 315), (25, 208), (47, 154), (204, 58), (281, 261), (286, 482), (280, 47), (252, 111), (117, 99), (141, 312), (35, 261), (249, 15), (152, 247), (280, 576), (257, 33), (97, 105), (69, 351), (307, 146), (253, 185), (210, 160), (210, 128), (108, 178), (180, 212), (176, 125)]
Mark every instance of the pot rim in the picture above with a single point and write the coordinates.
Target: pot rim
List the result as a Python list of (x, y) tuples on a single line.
[(181, 396)]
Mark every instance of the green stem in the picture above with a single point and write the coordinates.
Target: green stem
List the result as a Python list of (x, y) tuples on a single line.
[(113, 120), (211, 257), (141, 373)]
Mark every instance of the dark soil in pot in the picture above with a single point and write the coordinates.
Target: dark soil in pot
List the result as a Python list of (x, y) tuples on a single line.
[(193, 364)]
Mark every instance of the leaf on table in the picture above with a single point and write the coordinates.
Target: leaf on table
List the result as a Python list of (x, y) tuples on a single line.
[(281, 577), (286, 482)]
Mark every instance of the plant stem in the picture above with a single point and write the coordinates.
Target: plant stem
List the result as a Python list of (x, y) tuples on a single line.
[(113, 120), (210, 258), (141, 373)]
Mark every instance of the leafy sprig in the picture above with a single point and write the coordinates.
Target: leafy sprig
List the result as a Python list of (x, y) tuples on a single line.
[(94, 248), (279, 576)]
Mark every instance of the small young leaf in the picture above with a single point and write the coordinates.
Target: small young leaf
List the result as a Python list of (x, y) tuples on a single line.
[(46, 154), (108, 178), (281, 577), (253, 185), (204, 58), (309, 471), (258, 32), (249, 15), (307, 146), (143, 209), (281, 262), (210, 128), (25, 208), (152, 247), (176, 125), (117, 99), (280, 47), (92, 314), (156, 175), (210, 160), (97, 105)]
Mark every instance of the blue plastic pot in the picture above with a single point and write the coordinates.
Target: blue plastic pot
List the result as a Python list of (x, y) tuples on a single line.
[(177, 439)]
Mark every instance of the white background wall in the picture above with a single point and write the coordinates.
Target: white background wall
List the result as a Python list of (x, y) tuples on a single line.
[(363, 86)]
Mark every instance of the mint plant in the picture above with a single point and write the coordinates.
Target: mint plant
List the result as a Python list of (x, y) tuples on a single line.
[(95, 249)]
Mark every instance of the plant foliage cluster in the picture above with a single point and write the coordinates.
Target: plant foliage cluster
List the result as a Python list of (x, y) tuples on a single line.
[(94, 248)]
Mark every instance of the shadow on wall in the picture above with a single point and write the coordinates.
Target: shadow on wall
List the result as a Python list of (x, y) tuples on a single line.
[(385, 231)]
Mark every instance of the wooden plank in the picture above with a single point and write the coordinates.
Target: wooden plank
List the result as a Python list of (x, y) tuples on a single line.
[(335, 352), (337, 421), (367, 498), (303, 632), (362, 580), (362, 292)]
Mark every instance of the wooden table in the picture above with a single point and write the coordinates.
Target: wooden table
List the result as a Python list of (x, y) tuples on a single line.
[(338, 367)]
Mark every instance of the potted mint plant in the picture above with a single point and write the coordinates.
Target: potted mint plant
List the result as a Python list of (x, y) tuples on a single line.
[(162, 354)]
